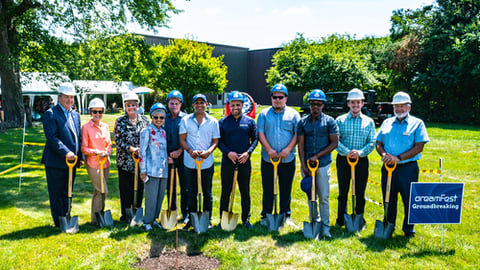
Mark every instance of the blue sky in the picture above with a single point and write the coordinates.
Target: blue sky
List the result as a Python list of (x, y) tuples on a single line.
[(269, 23)]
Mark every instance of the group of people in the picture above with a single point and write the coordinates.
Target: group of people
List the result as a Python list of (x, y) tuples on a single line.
[(174, 139)]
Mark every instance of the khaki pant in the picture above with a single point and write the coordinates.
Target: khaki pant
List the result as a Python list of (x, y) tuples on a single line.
[(94, 175)]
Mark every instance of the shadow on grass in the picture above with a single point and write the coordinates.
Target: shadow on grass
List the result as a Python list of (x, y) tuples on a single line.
[(36, 232), (429, 253), (379, 245)]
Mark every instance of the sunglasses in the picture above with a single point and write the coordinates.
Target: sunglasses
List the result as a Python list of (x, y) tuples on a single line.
[(278, 97), (97, 112), (159, 117), (316, 104)]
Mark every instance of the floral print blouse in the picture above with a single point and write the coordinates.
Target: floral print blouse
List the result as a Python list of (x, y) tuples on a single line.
[(153, 152), (126, 134)]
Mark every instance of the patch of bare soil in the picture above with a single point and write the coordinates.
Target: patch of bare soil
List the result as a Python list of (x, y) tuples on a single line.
[(171, 259)]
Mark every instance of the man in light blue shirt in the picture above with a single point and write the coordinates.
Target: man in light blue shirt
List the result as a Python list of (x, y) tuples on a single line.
[(401, 139), (199, 135), (277, 132)]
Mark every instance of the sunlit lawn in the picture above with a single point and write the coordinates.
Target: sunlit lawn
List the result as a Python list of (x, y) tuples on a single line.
[(28, 240)]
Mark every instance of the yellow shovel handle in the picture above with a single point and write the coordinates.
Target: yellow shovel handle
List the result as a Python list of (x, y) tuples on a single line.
[(101, 162), (312, 171), (70, 172), (389, 180), (199, 174), (135, 182), (275, 168)]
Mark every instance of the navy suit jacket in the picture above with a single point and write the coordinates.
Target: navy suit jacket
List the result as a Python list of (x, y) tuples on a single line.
[(60, 138)]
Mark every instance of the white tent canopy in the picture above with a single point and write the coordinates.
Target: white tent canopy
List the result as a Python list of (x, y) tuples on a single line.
[(88, 87)]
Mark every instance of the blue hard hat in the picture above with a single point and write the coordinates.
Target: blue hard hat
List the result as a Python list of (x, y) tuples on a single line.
[(175, 94), (197, 96), (317, 94), (157, 106), (306, 185), (279, 88), (235, 95)]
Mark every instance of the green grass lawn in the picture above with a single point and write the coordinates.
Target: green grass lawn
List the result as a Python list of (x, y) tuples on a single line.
[(29, 241)]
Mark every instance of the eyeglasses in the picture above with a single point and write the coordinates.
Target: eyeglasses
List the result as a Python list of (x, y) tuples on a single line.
[(95, 112), (159, 117), (278, 97), (316, 104)]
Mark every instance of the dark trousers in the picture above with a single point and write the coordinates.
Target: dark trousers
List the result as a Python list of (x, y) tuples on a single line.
[(57, 182), (125, 186), (344, 175), (402, 176), (181, 179), (243, 180), (191, 189), (286, 172)]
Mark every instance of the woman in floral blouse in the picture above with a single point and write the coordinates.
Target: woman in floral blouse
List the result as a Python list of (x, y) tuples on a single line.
[(127, 141), (153, 165)]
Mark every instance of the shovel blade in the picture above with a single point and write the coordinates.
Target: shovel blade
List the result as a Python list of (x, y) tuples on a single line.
[(100, 219), (108, 219), (229, 221), (312, 230), (383, 230), (129, 214), (200, 221), (353, 223), (137, 218), (275, 222), (69, 224), (168, 219)]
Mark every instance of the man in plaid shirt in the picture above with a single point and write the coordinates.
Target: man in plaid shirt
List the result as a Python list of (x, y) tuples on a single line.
[(357, 140)]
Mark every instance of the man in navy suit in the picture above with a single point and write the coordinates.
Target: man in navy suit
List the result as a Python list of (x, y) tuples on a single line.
[(61, 126)]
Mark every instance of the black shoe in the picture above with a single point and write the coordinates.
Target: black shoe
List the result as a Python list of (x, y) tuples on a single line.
[(247, 225), (409, 235), (187, 226), (340, 223)]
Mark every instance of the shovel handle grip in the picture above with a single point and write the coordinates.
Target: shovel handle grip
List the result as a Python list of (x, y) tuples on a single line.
[(70, 172)]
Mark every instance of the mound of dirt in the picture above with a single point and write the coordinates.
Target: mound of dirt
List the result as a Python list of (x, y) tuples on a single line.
[(171, 259)]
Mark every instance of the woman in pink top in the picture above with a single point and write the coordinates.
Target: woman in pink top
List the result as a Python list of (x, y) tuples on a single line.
[(96, 141)]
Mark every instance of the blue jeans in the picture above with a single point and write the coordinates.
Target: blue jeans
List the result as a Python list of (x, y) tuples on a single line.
[(191, 189), (402, 176)]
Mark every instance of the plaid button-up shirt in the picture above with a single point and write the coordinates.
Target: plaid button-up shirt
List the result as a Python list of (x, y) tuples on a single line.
[(356, 133)]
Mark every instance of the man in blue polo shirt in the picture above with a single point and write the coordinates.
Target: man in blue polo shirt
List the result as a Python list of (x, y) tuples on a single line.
[(277, 132), (401, 139), (317, 138), (238, 139), (199, 136)]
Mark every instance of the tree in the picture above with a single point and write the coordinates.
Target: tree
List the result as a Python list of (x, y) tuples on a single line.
[(79, 19), (336, 63), (189, 67)]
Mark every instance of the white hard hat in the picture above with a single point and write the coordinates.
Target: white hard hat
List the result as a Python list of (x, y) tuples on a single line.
[(96, 103), (401, 98), (67, 89), (130, 96), (355, 93)]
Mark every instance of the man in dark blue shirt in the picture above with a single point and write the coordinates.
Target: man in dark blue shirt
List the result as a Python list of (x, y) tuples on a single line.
[(175, 151), (238, 139)]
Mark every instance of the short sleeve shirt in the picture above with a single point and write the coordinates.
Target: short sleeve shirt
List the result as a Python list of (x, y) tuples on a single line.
[(199, 137), (398, 138)]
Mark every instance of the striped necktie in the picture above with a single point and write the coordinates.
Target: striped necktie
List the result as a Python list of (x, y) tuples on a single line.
[(71, 125)]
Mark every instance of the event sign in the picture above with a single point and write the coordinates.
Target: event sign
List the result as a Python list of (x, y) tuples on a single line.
[(435, 203)]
